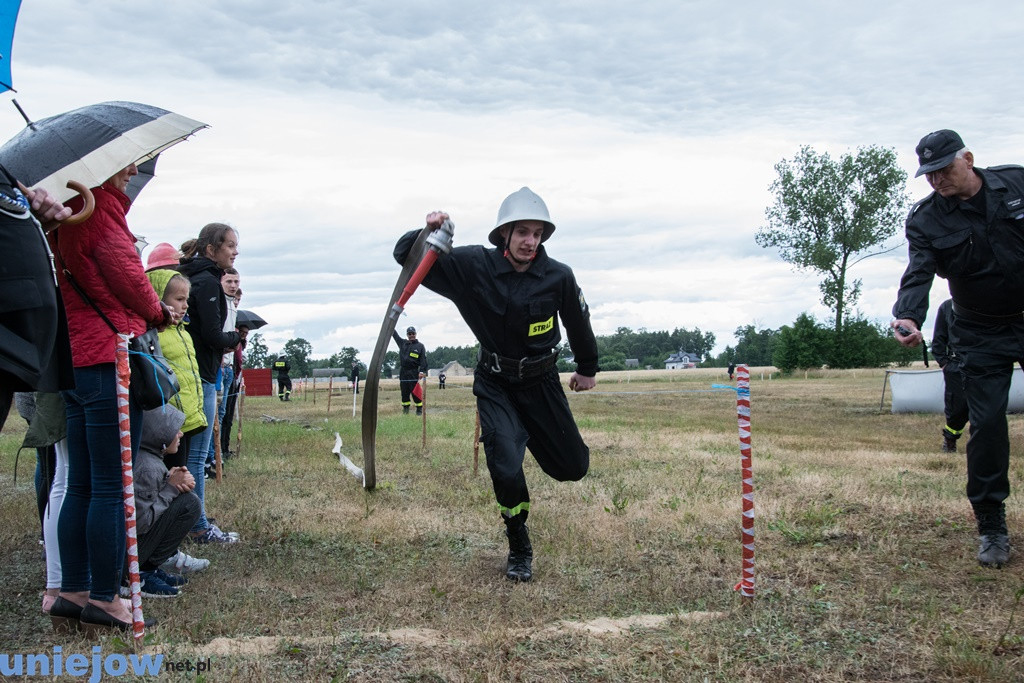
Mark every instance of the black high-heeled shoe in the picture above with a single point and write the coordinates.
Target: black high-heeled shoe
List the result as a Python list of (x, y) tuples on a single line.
[(65, 615), (96, 622)]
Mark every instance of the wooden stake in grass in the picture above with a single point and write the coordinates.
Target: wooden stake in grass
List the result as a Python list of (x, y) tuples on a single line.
[(746, 584), (423, 401), (330, 390), (124, 424)]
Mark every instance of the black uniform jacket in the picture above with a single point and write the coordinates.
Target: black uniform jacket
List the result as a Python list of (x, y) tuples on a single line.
[(207, 310), (413, 355), (510, 313), (982, 256)]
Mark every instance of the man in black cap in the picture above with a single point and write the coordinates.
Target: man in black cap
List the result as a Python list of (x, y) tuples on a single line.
[(412, 367), (970, 231)]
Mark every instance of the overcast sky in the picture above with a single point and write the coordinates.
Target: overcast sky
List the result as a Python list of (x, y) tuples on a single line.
[(650, 129)]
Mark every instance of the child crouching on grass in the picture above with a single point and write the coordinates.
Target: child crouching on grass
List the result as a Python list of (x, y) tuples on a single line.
[(166, 508)]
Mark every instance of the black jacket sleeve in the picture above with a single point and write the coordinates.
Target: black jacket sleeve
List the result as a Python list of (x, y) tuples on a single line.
[(208, 299)]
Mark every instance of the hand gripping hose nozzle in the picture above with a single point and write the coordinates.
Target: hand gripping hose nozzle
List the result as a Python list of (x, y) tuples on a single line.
[(439, 242)]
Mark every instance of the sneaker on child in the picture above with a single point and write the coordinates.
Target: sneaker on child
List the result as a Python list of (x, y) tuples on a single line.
[(214, 535), (183, 563), (154, 587)]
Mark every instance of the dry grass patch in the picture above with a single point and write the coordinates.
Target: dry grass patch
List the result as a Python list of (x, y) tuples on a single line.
[(865, 547)]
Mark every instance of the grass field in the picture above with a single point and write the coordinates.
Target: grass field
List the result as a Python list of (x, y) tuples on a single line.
[(865, 564)]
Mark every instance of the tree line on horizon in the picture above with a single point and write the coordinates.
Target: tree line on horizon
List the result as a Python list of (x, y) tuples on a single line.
[(826, 216), (804, 344)]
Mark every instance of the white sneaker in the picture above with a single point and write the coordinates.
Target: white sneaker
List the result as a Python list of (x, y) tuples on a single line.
[(183, 563)]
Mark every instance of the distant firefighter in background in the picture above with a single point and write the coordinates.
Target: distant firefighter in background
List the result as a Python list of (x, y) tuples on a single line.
[(413, 366), (284, 382)]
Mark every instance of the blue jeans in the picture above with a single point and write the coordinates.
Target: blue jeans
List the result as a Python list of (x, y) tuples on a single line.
[(199, 446), (227, 376), (91, 528)]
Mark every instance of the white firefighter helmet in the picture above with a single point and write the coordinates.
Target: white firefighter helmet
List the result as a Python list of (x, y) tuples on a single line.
[(523, 205)]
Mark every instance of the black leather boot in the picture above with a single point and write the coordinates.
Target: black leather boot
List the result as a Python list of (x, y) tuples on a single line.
[(520, 552), (949, 441), (994, 541)]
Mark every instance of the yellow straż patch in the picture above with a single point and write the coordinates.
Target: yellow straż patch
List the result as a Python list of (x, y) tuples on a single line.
[(542, 327)]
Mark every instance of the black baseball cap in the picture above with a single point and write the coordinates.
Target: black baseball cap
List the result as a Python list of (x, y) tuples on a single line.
[(411, 330), (937, 150)]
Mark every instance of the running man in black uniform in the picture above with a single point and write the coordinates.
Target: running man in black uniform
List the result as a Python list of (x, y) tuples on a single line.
[(510, 297)]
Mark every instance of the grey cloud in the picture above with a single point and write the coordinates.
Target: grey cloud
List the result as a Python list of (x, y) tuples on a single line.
[(669, 65)]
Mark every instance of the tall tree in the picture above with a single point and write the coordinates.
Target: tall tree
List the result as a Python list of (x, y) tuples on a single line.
[(828, 215), (256, 352), (802, 345), (298, 351), (755, 347)]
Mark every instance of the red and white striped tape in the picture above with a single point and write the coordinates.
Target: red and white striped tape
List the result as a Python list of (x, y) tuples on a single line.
[(746, 584), (128, 481)]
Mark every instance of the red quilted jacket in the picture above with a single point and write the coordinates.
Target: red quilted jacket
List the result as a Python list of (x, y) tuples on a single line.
[(101, 257)]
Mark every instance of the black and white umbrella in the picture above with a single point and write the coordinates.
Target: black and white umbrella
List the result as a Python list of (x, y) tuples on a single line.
[(91, 144)]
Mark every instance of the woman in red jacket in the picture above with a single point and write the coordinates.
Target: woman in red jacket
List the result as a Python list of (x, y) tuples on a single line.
[(100, 259)]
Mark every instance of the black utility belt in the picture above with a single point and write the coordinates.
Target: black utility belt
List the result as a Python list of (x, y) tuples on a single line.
[(985, 318), (517, 368)]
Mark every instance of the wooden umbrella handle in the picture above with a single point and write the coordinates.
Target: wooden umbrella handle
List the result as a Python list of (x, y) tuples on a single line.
[(90, 202)]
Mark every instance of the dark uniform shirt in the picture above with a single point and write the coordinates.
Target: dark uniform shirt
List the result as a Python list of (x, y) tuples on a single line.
[(412, 354), (511, 313), (282, 367), (977, 245)]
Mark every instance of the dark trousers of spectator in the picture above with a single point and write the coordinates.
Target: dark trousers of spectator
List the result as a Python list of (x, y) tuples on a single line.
[(228, 421), (91, 528), (987, 354), (46, 465), (955, 399), (534, 415), (162, 539)]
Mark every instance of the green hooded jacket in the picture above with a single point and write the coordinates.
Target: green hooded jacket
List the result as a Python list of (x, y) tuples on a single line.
[(177, 346)]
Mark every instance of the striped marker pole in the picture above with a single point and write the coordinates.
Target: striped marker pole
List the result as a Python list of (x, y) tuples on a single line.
[(746, 584), (124, 422)]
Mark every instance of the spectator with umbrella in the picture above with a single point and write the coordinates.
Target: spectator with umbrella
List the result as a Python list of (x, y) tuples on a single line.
[(106, 294)]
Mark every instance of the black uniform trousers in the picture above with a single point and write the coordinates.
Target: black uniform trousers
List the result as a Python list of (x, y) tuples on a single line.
[(987, 357), (516, 415), (955, 400), (407, 381)]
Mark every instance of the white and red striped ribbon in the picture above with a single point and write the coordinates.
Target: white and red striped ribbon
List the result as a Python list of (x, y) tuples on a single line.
[(128, 481), (746, 584)]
